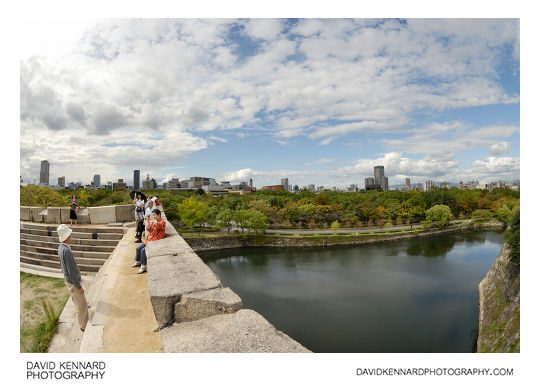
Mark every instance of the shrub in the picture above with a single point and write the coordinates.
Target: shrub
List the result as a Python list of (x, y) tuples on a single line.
[(440, 214), (335, 225), (481, 213)]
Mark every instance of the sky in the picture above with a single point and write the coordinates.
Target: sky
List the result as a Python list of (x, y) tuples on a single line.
[(319, 101)]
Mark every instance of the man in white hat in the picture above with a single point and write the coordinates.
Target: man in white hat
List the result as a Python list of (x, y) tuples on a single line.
[(72, 275)]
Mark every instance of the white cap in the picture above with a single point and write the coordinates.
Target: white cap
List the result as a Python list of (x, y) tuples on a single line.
[(63, 232)]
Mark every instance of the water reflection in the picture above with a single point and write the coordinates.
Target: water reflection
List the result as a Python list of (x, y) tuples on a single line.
[(418, 295)]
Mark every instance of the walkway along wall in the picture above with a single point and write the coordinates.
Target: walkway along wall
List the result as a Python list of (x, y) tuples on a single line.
[(195, 312)]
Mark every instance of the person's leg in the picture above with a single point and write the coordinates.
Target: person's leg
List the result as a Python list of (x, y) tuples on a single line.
[(81, 305), (143, 259)]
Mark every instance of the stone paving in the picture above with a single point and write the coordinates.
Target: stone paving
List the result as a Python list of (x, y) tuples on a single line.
[(121, 315)]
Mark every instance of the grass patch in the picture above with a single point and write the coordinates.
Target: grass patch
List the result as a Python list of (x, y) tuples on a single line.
[(42, 301)]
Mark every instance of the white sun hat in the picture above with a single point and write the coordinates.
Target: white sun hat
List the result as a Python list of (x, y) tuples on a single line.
[(63, 232)]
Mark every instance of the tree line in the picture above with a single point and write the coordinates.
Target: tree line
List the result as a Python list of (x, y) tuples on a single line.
[(281, 209)]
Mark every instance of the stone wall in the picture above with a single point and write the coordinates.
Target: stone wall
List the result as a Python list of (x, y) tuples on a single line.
[(499, 319), (201, 244), (195, 312), (90, 215)]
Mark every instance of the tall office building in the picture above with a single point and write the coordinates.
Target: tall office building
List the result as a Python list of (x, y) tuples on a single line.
[(379, 181), (285, 183), (429, 185), (97, 180), (136, 179), (44, 173), (62, 181), (408, 182), (251, 182)]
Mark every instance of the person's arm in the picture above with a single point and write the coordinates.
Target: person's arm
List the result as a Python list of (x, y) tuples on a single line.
[(71, 267)]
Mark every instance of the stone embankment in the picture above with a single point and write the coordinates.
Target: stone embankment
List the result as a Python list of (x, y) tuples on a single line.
[(499, 320), (201, 243), (196, 313)]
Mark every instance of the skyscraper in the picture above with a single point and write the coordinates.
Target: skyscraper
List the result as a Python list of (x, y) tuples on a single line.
[(285, 183), (408, 182), (136, 179), (97, 180), (44, 173), (379, 180), (62, 181)]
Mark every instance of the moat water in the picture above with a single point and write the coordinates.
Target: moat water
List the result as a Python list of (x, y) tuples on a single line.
[(412, 296)]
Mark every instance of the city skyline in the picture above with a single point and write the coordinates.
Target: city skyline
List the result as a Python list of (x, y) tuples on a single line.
[(316, 101)]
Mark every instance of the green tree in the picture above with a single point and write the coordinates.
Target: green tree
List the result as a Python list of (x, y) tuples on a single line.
[(511, 236), (225, 217), (440, 214), (503, 213), (192, 212), (33, 195), (335, 225)]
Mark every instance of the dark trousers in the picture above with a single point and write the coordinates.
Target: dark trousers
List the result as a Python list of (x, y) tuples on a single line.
[(140, 228), (140, 254)]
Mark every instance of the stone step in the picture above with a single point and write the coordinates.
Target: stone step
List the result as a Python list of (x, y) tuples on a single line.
[(76, 228), (53, 264), (54, 252), (74, 235), (41, 268), (74, 247), (54, 239), (80, 260)]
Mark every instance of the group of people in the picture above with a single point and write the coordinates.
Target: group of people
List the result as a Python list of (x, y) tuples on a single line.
[(149, 219)]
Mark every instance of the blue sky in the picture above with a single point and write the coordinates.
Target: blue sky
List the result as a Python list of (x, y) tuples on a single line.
[(316, 100)]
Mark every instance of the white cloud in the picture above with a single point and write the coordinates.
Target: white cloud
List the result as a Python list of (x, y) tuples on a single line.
[(499, 148), (124, 81), (320, 161)]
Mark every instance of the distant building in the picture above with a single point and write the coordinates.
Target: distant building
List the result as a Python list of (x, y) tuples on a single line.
[(215, 190), (273, 187), (320, 188), (408, 183), (173, 184), (62, 181), (120, 185), (311, 188), (379, 181), (164, 185), (97, 180), (352, 188), (109, 185), (147, 184), (251, 182), (136, 179), (429, 185), (44, 173), (73, 186), (285, 183), (445, 185)]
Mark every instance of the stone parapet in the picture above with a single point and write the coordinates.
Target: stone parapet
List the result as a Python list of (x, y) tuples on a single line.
[(245, 331), (91, 215), (203, 304)]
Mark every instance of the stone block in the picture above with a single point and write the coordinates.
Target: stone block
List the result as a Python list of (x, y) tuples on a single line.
[(168, 246), (244, 331), (53, 215), (124, 213), (37, 214), (203, 304), (83, 216), (25, 213), (102, 214), (64, 215), (170, 276)]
